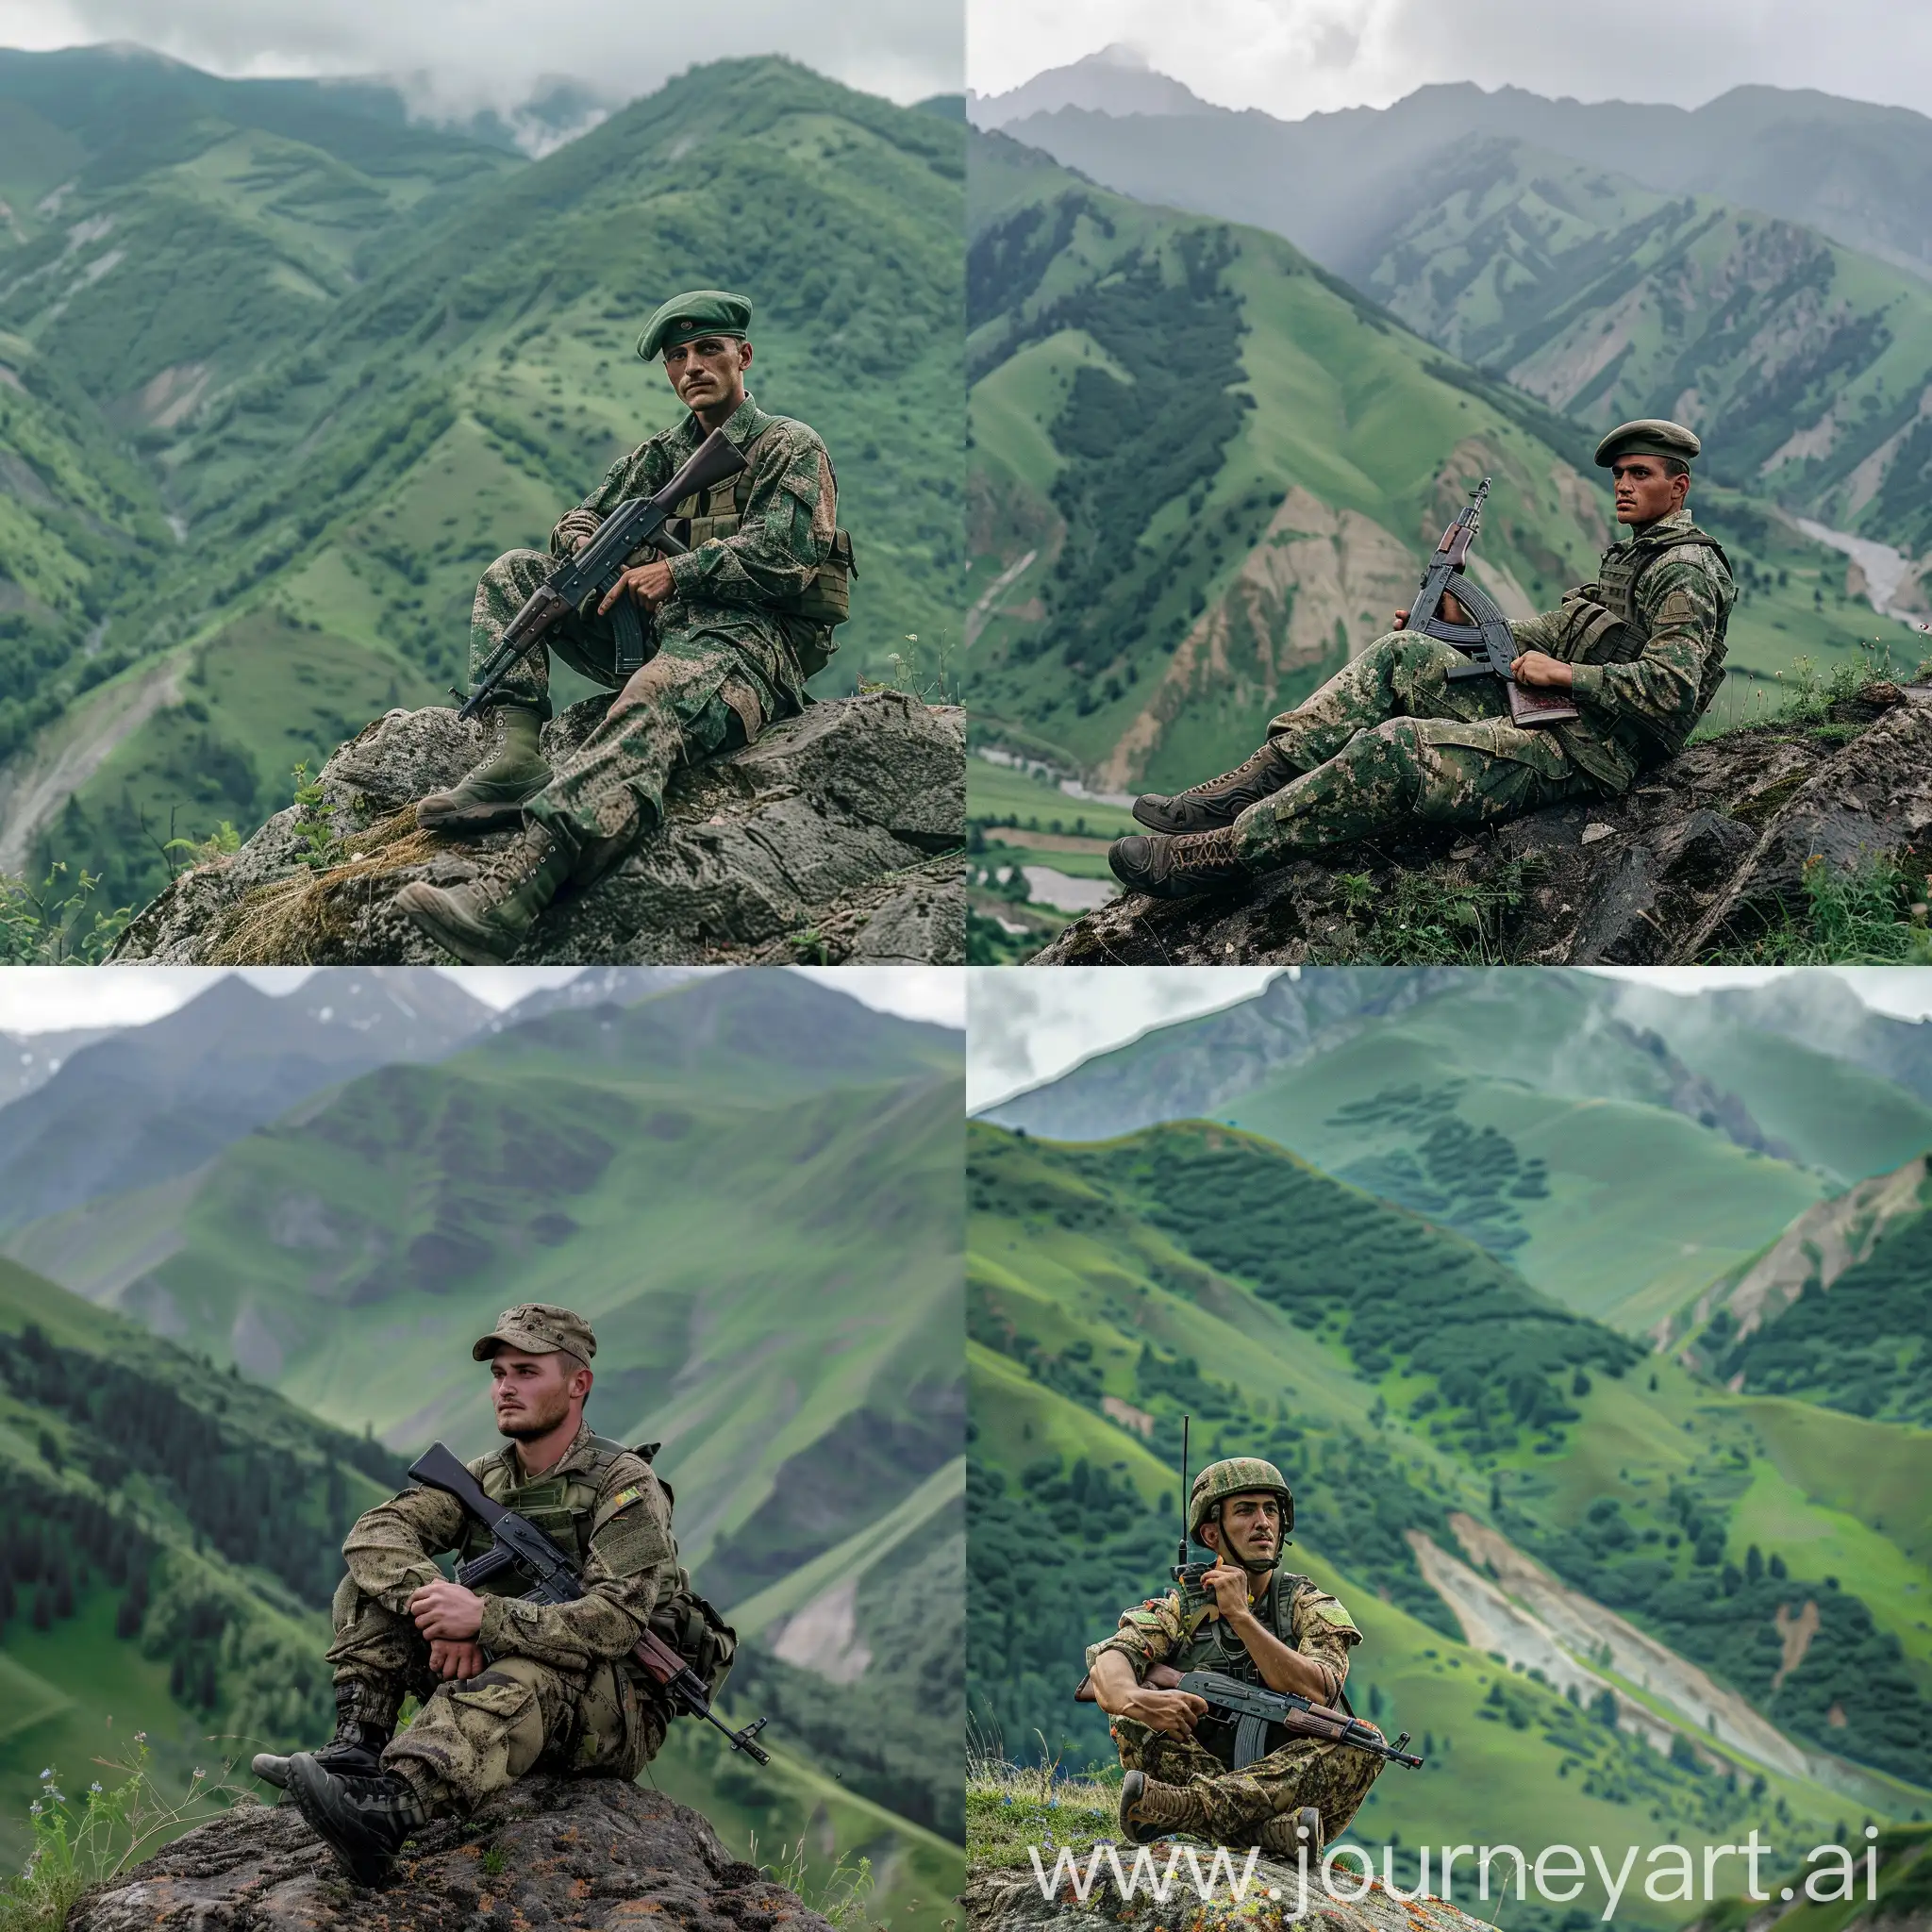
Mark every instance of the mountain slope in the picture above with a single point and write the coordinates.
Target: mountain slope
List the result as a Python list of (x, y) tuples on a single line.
[(340, 501), (156, 1101), (1529, 1116), (171, 1550), (1204, 474)]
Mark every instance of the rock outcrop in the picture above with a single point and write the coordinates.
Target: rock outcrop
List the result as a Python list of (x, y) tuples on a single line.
[(587, 1852), (1012, 1901), (833, 840), (1701, 855)]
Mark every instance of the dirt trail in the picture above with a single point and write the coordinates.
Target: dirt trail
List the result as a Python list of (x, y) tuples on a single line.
[(1581, 1627), (36, 785)]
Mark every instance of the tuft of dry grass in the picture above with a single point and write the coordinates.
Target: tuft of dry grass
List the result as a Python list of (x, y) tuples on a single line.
[(304, 918)]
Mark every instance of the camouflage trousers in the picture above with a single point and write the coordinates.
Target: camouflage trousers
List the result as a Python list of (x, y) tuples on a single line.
[(1389, 739), (473, 1737), (714, 681), (1334, 1778)]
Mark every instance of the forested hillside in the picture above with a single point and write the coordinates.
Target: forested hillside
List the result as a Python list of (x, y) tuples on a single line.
[(415, 354)]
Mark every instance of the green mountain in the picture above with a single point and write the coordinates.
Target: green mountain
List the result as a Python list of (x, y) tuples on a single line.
[(1205, 473), (1616, 1173), (750, 1183), (421, 370), (1804, 363), (1568, 1563), (170, 1554), (157, 1101)]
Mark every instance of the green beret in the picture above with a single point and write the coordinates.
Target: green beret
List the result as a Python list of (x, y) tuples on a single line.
[(697, 312), (1652, 437)]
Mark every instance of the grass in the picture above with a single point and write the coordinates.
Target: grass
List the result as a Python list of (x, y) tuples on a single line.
[(1872, 913)]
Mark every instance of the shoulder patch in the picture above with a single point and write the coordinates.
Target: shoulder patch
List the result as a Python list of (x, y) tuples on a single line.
[(1326, 1607), (1677, 607)]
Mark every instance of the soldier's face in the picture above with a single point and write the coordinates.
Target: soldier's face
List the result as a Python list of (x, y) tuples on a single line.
[(1647, 490), (709, 372), (1250, 1528), (532, 1393)]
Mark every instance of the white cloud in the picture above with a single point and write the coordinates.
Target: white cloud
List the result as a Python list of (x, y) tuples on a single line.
[(1025, 1024), (915, 992), (462, 55), (1292, 57)]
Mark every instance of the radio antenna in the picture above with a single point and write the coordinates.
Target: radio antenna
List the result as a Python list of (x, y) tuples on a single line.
[(1180, 1555)]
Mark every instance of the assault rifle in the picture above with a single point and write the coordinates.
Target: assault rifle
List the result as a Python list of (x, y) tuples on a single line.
[(1488, 639), (589, 575), (520, 1544)]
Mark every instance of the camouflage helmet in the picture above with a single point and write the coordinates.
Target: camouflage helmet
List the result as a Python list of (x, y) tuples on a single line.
[(1238, 1475)]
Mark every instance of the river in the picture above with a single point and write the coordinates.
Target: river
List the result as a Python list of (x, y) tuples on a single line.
[(1885, 568)]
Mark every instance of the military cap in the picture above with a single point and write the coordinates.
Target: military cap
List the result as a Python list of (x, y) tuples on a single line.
[(697, 312), (1651, 437), (537, 1328), (1238, 1476)]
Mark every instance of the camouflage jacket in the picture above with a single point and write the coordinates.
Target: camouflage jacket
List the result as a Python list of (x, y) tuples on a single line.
[(1303, 1616), (605, 1496), (785, 529), (1647, 640)]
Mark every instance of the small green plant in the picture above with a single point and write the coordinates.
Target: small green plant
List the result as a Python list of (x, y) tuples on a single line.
[(219, 844), (495, 1861), (923, 669), (1874, 913), (844, 1898), (313, 821), (809, 948), (1424, 921), (78, 1844), (43, 926)]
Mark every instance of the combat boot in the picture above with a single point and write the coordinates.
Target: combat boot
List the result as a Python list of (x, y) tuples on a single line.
[(1150, 1810), (365, 1821), (1218, 801), (1178, 866), (1282, 1835), (484, 922), (493, 796), (356, 1750)]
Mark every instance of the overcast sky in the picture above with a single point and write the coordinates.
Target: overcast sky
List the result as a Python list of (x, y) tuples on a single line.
[(1299, 57), (42, 999), (1025, 1027), (475, 53)]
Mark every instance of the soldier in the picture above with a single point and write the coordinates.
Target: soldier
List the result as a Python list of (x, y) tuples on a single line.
[(507, 1687), (1388, 740), (739, 623), (1262, 1625)]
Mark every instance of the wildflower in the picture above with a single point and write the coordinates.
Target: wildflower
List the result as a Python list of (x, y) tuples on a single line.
[(141, 1736), (46, 1774), (95, 1785), (35, 1809)]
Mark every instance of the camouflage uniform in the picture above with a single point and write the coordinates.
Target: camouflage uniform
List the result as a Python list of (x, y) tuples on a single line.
[(557, 1692), (1334, 1778), (1390, 738), (727, 660)]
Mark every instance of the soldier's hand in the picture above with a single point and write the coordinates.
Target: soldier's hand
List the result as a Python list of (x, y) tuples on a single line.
[(1176, 1712), (582, 544), (447, 1610), (455, 1661), (1539, 667), (649, 583), (1228, 1586)]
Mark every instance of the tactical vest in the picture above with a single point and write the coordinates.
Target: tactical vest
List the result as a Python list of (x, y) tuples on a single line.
[(824, 602), (1625, 567), (565, 1507), (1215, 1647)]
